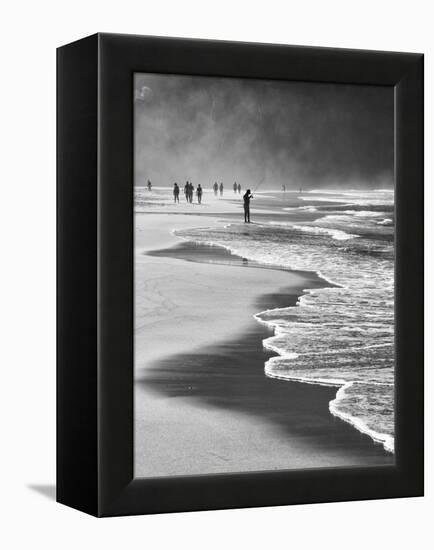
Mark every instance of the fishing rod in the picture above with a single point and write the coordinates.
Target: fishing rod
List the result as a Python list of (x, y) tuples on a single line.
[(259, 184)]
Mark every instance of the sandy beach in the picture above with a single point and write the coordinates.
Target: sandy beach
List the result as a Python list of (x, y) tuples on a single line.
[(202, 401)]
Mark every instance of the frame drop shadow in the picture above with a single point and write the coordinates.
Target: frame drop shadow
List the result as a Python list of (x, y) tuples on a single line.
[(48, 491)]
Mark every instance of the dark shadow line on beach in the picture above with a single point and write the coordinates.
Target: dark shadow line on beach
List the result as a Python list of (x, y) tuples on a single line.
[(202, 253)]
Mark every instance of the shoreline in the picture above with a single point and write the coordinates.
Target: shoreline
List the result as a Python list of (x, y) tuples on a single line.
[(183, 251), (280, 425), (217, 254)]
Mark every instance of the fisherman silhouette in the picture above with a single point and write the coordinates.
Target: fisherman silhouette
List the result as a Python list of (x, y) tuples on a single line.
[(216, 188), (246, 197), (149, 185), (235, 187), (239, 188), (221, 189)]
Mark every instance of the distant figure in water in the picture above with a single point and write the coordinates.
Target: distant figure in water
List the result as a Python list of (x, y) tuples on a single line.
[(284, 188), (186, 190), (301, 190), (246, 198), (221, 189), (199, 194), (149, 185), (175, 192), (216, 188), (190, 192), (239, 188), (235, 187)]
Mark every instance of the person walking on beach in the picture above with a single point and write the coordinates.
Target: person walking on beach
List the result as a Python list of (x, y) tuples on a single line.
[(149, 185), (216, 188), (186, 190), (199, 194), (175, 192), (235, 187), (246, 198), (239, 188), (221, 189), (190, 194)]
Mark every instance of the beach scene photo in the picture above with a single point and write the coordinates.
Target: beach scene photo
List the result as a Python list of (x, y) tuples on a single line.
[(263, 275)]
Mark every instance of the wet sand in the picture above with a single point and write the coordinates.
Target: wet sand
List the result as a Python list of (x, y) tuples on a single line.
[(203, 403)]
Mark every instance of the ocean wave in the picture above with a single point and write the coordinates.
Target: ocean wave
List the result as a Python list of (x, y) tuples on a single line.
[(350, 192), (345, 201), (342, 406), (301, 208), (358, 222), (357, 402), (336, 234), (350, 198), (338, 408), (362, 213)]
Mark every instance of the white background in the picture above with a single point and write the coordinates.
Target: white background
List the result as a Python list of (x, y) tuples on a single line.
[(30, 32)]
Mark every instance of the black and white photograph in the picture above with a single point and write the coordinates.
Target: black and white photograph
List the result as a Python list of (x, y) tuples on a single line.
[(264, 265), (217, 250)]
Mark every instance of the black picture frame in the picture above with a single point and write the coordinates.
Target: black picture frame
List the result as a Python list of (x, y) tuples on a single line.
[(95, 274)]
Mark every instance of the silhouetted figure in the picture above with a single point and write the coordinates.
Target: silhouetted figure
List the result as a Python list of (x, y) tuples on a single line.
[(221, 189), (284, 188), (239, 188), (190, 193), (149, 185), (199, 194), (235, 187), (186, 190), (175, 192), (216, 188), (246, 198)]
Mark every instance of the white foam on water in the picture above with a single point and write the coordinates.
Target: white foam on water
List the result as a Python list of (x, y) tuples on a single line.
[(355, 198), (385, 439), (298, 208), (362, 213), (336, 234)]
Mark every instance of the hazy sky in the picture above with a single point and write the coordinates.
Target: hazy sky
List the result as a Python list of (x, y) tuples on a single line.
[(208, 129)]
